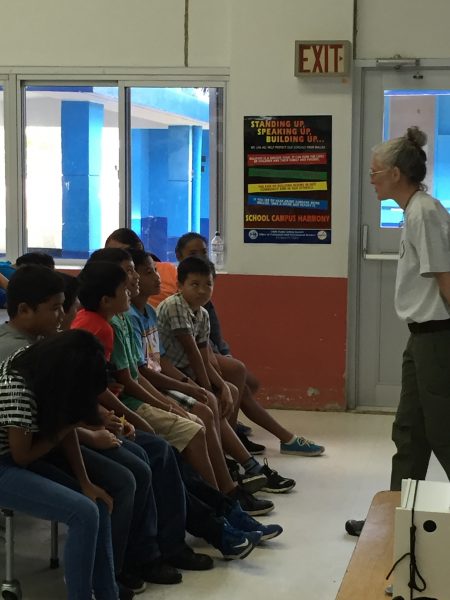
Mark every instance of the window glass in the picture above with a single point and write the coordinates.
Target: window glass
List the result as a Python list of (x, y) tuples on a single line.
[(71, 168), (2, 178), (175, 163), (429, 110)]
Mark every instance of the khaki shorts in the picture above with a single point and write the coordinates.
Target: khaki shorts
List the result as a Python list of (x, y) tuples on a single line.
[(176, 430)]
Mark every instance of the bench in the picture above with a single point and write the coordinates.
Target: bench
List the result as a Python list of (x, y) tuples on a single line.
[(10, 588), (372, 558)]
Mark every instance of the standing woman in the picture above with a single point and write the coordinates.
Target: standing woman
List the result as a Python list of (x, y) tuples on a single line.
[(45, 391), (422, 298)]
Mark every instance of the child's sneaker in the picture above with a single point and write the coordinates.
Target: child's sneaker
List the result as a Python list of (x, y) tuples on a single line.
[(252, 482), (131, 582), (251, 505), (241, 520), (302, 447), (250, 446), (237, 544), (276, 484), (241, 428), (233, 468)]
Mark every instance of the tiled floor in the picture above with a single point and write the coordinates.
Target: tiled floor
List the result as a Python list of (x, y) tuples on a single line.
[(308, 561)]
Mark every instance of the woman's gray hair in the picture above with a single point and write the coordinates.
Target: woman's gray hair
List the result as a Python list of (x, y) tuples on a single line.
[(406, 154)]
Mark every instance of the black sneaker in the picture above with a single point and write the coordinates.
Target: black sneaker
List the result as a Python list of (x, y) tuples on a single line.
[(251, 505), (233, 468), (159, 571), (251, 446), (190, 561), (241, 428), (252, 482), (124, 592), (132, 582), (353, 527), (276, 484)]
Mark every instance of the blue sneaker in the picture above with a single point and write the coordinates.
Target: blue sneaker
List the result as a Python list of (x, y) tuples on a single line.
[(302, 447), (237, 544), (241, 520)]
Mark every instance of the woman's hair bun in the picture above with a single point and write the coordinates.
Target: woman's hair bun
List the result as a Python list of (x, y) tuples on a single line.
[(416, 136)]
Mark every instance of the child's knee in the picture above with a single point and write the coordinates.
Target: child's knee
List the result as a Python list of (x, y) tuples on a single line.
[(205, 413), (212, 403), (234, 391)]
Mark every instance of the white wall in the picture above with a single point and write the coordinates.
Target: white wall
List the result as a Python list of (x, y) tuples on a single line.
[(262, 82), (255, 39), (411, 28), (92, 33)]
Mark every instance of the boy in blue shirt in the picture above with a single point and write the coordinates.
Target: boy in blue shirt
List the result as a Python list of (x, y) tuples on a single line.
[(179, 373)]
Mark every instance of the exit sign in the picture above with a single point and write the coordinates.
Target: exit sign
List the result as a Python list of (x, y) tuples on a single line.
[(322, 58)]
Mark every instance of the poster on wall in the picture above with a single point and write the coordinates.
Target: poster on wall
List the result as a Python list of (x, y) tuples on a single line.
[(287, 180)]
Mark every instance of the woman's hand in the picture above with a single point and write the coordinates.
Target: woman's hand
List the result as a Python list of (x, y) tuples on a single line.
[(94, 492)]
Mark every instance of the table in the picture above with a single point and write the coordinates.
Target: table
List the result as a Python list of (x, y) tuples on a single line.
[(372, 558)]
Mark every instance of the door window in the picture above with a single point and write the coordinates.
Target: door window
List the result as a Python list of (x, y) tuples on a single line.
[(429, 110)]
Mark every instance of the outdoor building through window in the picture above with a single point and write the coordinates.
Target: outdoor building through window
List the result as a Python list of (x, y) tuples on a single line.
[(72, 144), (430, 110), (71, 168), (175, 141)]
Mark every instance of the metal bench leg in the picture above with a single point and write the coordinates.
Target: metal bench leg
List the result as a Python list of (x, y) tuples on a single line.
[(10, 588)]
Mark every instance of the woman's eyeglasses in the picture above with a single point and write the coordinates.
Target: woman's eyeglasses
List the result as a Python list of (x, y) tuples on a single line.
[(372, 173)]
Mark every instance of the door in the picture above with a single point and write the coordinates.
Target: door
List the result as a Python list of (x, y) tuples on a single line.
[(392, 100)]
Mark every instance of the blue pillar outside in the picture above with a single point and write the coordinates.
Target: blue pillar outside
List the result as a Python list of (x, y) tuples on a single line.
[(162, 185), (81, 135), (205, 200), (196, 176), (149, 188), (179, 187), (139, 159)]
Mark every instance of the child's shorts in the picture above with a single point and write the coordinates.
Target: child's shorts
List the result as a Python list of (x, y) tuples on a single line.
[(176, 430), (183, 400)]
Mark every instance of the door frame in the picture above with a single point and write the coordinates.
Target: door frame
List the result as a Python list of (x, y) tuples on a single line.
[(360, 68)]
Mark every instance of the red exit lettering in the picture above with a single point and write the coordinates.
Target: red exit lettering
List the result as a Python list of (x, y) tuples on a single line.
[(317, 58)]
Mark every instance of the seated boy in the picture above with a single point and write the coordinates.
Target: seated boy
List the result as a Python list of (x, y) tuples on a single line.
[(182, 430), (201, 520), (7, 270), (194, 244), (172, 381), (183, 326)]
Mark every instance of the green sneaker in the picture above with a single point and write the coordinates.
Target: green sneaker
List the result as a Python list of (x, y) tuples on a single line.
[(302, 447)]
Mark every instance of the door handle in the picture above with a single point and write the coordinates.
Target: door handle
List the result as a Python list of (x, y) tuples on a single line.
[(367, 256)]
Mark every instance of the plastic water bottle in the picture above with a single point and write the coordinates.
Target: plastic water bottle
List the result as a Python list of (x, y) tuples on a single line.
[(217, 249)]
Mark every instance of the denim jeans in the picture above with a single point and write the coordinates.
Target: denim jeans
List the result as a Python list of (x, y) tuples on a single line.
[(117, 480), (169, 492), (127, 477), (88, 559), (141, 544), (206, 506)]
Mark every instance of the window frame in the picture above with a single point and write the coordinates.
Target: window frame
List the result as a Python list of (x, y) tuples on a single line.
[(14, 82)]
